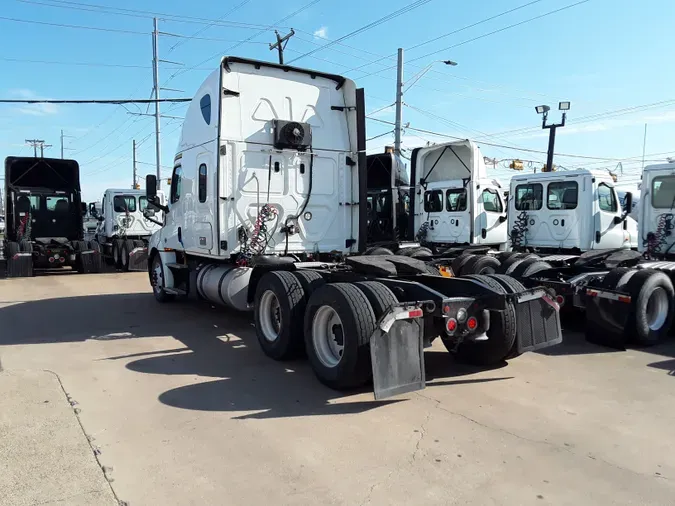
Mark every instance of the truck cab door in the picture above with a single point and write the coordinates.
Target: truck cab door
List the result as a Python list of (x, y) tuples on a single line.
[(607, 233), (491, 217)]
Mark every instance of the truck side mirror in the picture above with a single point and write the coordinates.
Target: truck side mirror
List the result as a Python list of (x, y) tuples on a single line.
[(628, 203), (502, 219), (151, 187), (83, 208)]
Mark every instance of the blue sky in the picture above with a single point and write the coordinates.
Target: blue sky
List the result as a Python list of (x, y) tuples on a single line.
[(602, 55)]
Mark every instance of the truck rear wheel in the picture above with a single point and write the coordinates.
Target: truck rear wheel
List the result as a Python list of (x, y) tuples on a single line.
[(157, 280), (126, 248), (310, 281), (96, 262), (378, 250), (509, 266), (381, 298), (652, 297), (338, 325), (116, 253), (480, 265), (278, 314), (501, 335), (530, 269), (459, 262), (511, 285)]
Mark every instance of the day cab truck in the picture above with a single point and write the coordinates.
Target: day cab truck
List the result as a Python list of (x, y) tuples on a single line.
[(570, 234), (125, 224), (44, 213), (267, 212)]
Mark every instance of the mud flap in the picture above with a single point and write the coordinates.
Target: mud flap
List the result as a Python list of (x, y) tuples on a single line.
[(138, 259), (537, 320), (20, 265), (397, 353), (607, 315)]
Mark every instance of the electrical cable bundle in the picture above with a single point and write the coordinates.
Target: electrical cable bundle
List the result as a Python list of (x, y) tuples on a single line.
[(657, 239), (260, 237), (519, 230), (25, 227), (422, 233)]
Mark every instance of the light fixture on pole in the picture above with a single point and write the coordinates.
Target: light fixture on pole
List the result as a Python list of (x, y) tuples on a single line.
[(544, 110)]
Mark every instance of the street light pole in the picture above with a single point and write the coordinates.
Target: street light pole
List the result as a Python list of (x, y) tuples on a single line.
[(543, 110)]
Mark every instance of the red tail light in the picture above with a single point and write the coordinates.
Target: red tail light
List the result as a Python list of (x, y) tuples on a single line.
[(451, 325), (472, 323)]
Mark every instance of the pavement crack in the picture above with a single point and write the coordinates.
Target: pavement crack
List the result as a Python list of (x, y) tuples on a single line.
[(423, 432), (538, 441), (61, 499), (89, 439)]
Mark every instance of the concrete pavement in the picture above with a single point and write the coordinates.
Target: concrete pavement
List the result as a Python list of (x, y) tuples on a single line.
[(185, 409)]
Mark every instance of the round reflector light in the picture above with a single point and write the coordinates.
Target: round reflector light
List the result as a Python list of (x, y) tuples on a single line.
[(472, 323)]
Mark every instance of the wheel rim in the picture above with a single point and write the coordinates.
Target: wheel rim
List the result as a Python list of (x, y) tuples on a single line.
[(116, 254), (124, 256), (328, 336), (157, 276), (270, 316), (657, 309)]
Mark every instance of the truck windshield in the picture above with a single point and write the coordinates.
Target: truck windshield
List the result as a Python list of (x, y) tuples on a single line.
[(455, 200), (122, 203), (663, 192)]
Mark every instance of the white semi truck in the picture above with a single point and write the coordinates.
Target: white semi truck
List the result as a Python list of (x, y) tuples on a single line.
[(267, 212), (125, 225)]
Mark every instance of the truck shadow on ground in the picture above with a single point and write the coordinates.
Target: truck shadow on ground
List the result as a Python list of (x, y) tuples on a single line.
[(218, 346)]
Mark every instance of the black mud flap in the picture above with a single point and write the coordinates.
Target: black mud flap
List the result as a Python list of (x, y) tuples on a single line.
[(138, 259), (397, 353), (20, 266), (607, 315), (537, 320)]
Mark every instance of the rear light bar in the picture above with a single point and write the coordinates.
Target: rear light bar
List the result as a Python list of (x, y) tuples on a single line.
[(606, 295)]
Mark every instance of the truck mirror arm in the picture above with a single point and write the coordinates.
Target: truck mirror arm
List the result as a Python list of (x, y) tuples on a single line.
[(154, 203)]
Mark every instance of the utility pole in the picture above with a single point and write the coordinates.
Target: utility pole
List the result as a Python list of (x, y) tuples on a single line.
[(37, 143), (133, 182), (155, 75), (63, 136), (399, 103), (281, 43)]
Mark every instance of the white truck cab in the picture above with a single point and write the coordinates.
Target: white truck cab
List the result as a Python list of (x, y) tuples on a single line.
[(456, 202), (124, 229), (568, 211), (657, 211)]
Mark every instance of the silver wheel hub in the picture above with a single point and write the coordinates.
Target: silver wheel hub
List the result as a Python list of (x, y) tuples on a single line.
[(270, 316), (116, 254), (124, 256), (328, 336), (657, 309)]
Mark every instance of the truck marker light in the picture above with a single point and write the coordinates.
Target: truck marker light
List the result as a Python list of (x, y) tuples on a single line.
[(446, 309), (51, 260), (415, 313), (624, 298), (560, 299), (472, 323), (451, 325)]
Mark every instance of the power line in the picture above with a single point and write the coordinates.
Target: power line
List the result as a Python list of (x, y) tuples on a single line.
[(78, 27), (373, 24), (115, 102), (453, 32), (75, 63), (136, 13), (204, 28), (549, 13)]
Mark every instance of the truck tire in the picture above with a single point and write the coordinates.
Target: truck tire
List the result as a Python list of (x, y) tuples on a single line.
[(278, 315), (652, 306), (518, 265), (377, 250), (433, 270), (80, 260), (511, 285), (531, 269), (480, 265), (338, 325), (616, 277), (138, 243), (501, 335), (310, 281), (157, 280), (380, 297), (126, 248), (96, 262), (421, 252), (116, 253), (459, 262)]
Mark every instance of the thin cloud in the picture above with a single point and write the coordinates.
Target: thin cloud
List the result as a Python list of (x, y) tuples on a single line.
[(32, 109), (321, 33)]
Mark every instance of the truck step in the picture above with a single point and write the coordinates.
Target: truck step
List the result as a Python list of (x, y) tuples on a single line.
[(175, 291), (176, 266)]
